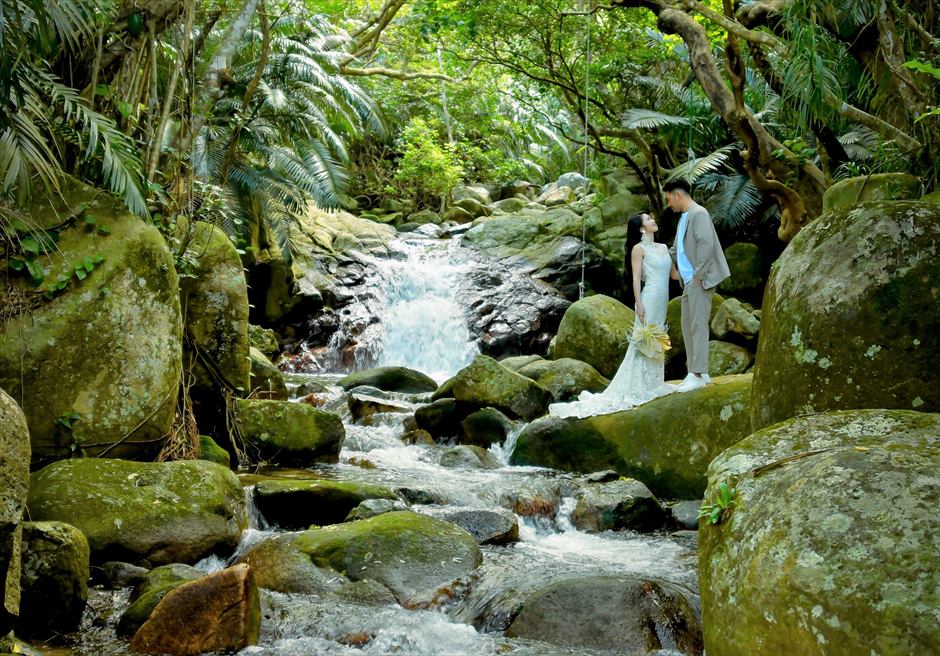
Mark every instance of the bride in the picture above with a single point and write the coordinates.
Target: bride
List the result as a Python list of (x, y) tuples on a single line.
[(640, 377)]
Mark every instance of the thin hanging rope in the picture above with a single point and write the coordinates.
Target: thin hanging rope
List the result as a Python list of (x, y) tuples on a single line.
[(585, 158)]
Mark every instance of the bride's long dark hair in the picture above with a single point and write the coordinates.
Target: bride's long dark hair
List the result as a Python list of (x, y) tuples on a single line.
[(634, 224)]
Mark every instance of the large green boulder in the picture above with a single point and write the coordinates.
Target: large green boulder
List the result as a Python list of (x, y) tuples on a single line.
[(485, 382), (831, 545), (148, 513), (214, 300), (666, 443), (406, 552), (851, 314), (878, 187), (620, 206), (54, 579), (484, 428), (152, 588), (595, 330), (263, 339), (97, 368), (390, 379), (14, 482), (725, 359), (301, 503), (285, 433), (565, 378), (746, 265), (209, 450), (267, 381)]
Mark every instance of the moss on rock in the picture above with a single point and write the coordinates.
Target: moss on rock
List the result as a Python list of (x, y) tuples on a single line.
[(565, 378), (290, 433), (726, 359), (107, 349), (390, 379), (263, 339), (300, 503), (267, 381), (746, 265), (831, 546), (851, 314), (149, 513), (848, 193), (487, 383), (595, 330), (666, 443), (209, 450), (14, 482), (150, 591)]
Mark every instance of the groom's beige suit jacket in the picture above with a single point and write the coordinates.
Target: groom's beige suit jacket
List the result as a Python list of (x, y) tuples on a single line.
[(703, 249)]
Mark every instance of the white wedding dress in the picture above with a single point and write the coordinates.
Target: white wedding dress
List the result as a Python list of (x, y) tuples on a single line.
[(639, 378)]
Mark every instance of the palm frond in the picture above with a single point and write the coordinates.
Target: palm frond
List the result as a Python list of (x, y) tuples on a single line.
[(650, 119), (696, 167)]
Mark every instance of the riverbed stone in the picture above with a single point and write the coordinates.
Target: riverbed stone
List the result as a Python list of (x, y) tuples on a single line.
[(209, 450), (54, 579), (595, 330), (850, 192), (509, 205), (617, 505), (442, 418), (364, 407), (287, 433), (14, 482), (565, 378), (726, 359), (666, 443), (629, 614), (405, 551), (143, 513), (100, 363), (486, 526), (391, 379), (150, 590), (484, 427), (218, 612), (836, 516), (850, 315), (466, 456), (293, 504), (487, 383)]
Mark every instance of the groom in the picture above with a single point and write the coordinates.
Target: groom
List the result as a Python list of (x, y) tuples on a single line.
[(702, 266)]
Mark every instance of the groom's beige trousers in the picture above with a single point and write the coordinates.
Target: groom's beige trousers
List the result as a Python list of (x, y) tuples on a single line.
[(696, 311)]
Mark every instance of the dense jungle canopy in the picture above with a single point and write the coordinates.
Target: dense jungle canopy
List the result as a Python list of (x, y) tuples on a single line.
[(241, 112)]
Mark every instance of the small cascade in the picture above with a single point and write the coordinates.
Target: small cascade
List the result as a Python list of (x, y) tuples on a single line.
[(504, 451), (256, 520)]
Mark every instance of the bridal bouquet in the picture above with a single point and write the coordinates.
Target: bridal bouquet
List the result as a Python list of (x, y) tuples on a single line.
[(651, 339)]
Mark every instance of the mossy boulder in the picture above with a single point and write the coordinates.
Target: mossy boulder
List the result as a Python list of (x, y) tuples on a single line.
[(214, 300), (746, 265), (263, 339), (509, 205), (725, 359), (442, 418), (848, 193), (391, 379), (104, 356), (851, 314), (152, 588), (209, 450), (267, 381), (836, 520), (625, 614), (14, 482), (424, 216), (565, 378), (619, 207), (286, 433), (147, 513), (407, 552), (487, 383), (595, 330), (484, 427), (293, 504), (54, 579), (666, 443)]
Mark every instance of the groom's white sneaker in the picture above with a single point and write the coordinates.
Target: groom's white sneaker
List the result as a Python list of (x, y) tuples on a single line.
[(692, 382)]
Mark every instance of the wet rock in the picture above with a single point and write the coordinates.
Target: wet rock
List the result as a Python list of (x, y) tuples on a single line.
[(746, 265), (594, 330), (850, 315), (836, 516), (516, 362), (726, 359), (209, 450), (685, 514), (565, 378), (848, 193), (666, 443), (391, 379), (442, 417), (121, 324), (290, 433), (486, 383), (221, 611), (293, 504), (152, 513), (54, 579), (404, 551), (484, 427), (733, 318), (374, 507), (605, 476), (368, 592), (469, 457), (150, 591), (14, 482), (417, 436), (446, 390), (419, 496), (486, 526), (364, 408), (114, 574), (624, 613), (617, 505)]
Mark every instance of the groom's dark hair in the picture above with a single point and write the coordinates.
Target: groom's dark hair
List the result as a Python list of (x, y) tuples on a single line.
[(678, 183)]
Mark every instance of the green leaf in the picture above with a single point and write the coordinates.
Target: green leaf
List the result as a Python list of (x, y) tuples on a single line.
[(99, 258), (104, 230), (80, 273), (36, 271), (125, 108), (715, 514), (17, 263), (91, 220), (30, 245), (921, 67)]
